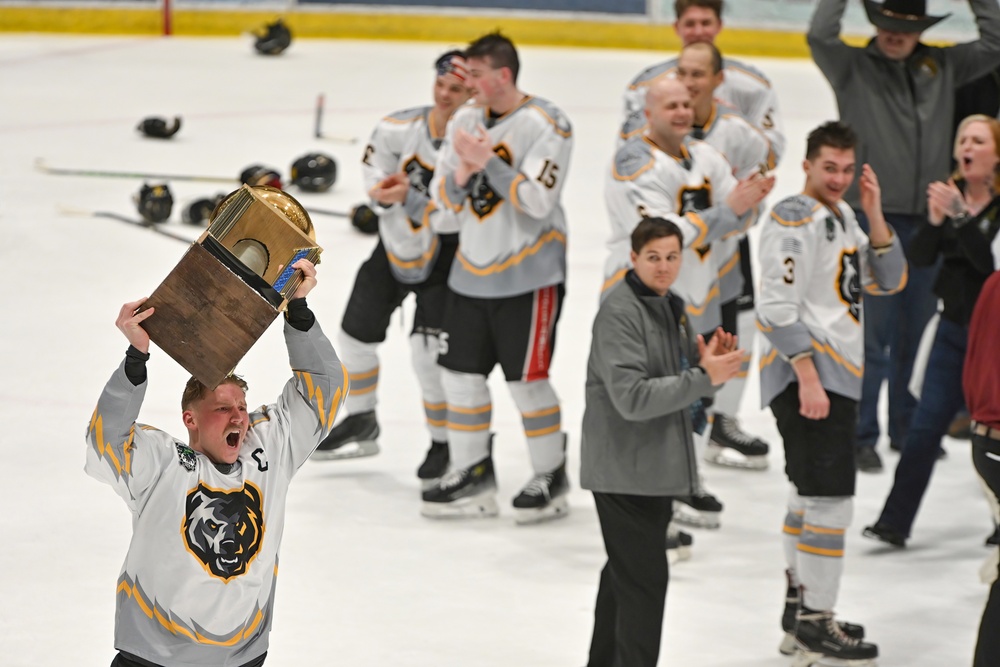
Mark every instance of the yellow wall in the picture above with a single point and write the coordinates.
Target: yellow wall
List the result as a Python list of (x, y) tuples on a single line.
[(428, 27)]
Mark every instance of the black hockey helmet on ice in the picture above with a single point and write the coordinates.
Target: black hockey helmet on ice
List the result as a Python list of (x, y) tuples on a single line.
[(199, 212), (154, 202), (257, 174), (314, 172), (157, 127), (364, 219), (273, 39)]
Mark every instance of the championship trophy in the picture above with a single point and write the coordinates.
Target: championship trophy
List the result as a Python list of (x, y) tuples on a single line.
[(232, 282)]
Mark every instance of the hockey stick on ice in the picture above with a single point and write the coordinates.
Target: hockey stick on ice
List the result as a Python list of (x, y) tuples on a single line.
[(41, 166), (153, 227), (325, 211), (318, 126)]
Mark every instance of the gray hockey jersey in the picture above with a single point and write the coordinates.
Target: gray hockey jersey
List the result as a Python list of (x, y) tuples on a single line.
[(644, 181), (745, 88), (512, 229), (815, 264), (197, 585), (402, 142)]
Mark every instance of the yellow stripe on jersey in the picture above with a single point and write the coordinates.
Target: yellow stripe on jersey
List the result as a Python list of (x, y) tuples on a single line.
[(768, 359), (824, 348), (561, 132), (638, 172), (552, 235), (730, 265), (696, 220), (444, 198), (697, 311), (415, 263), (512, 194), (791, 223)]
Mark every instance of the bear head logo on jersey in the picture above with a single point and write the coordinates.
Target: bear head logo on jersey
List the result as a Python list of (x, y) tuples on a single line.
[(223, 528)]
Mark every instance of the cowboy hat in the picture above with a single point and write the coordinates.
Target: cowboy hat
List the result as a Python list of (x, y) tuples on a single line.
[(901, 15)]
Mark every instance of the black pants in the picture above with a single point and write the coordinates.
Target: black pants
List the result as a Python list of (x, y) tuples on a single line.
[(124, 659), (986, 459), (628, 616)]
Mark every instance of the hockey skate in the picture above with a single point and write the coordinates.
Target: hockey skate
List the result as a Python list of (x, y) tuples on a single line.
[(731, 447), (350, 439), (543, 498), (793, 600), (819, 640), (435, 464), (467, 493), (678, 545), (701, 510)]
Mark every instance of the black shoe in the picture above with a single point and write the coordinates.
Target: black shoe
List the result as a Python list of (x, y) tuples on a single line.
[(435, 464), (868, 460), (884, 533), (818, 635), (352, 438)]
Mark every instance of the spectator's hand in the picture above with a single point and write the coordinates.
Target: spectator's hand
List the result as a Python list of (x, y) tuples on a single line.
[(474, 149), (391, 190), (749, 192), (944, 200), (129, 319), (813, 401), (871, 192), (308, 270), (721, 358)]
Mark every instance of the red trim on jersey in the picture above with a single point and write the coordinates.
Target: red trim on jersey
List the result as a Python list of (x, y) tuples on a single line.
[(539, 342)]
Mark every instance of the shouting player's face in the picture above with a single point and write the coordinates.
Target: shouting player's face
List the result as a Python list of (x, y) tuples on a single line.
[(976, 152), (218, 422), (658, 263), (697, 24), (829, 174)]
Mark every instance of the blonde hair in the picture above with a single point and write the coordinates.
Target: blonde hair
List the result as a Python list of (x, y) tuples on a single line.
[(194, 390), (994, 126)]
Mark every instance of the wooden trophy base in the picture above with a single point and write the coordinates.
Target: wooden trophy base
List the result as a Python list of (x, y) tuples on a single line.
[(206, 317)]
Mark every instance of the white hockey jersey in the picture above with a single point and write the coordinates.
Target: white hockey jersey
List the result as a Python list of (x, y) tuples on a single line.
[(197, 585), (403, 142), (815, 262), (644, 181), (749, 152), (745, 88), (512, 229)]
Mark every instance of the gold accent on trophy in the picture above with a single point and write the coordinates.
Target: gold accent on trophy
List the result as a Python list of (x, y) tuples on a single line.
[(232, 282)]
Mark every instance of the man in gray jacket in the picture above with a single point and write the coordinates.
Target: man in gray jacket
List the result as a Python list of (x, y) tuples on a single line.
[(646, 378), (898, 95)]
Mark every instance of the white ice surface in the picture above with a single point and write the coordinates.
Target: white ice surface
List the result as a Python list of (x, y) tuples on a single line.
[(364, 579)]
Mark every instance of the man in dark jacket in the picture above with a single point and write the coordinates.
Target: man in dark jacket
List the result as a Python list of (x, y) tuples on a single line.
[(646, 377), (898, 95)]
